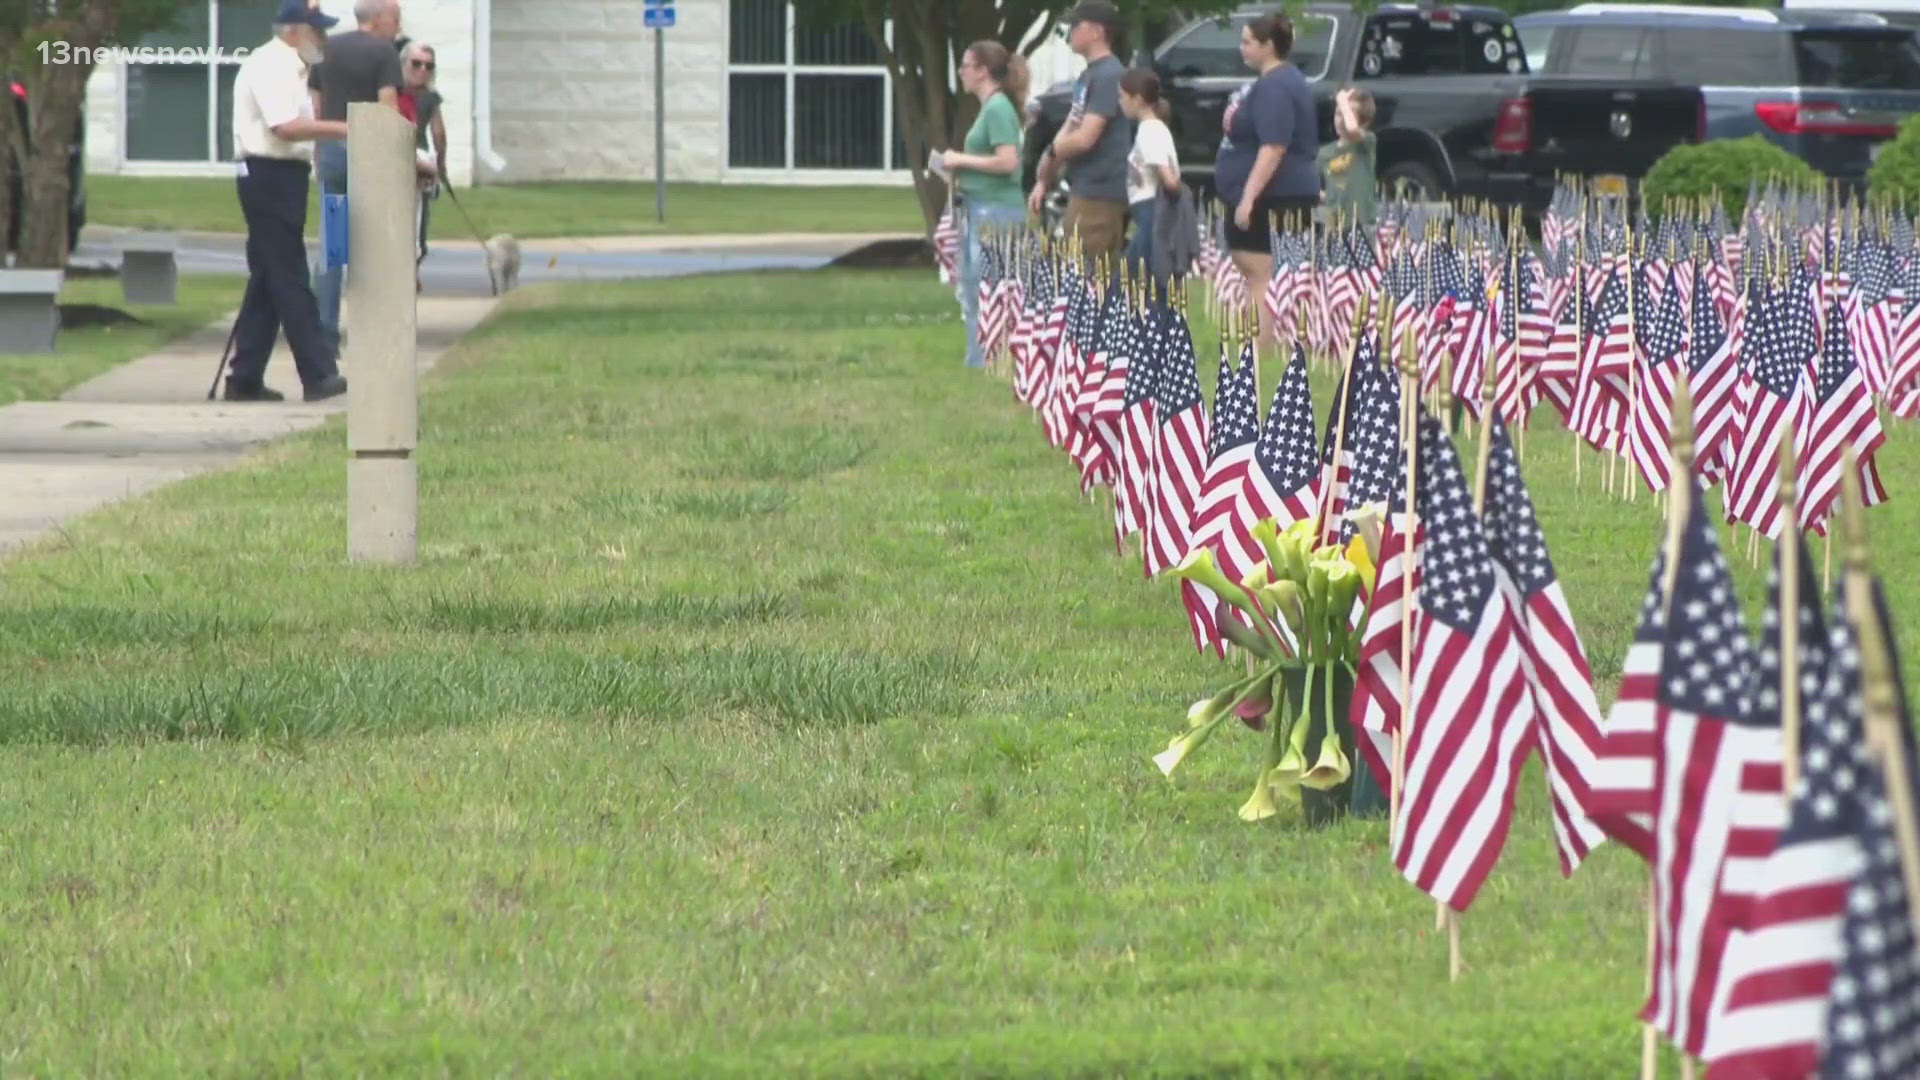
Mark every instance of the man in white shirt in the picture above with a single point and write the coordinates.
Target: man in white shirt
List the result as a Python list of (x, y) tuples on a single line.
[(273, 129)]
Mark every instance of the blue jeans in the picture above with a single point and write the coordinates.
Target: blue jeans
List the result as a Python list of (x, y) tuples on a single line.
[(1139, 253), (984, 221), (330, 161)]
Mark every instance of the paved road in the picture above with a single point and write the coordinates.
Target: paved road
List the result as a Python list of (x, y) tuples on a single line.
[(461, 270)]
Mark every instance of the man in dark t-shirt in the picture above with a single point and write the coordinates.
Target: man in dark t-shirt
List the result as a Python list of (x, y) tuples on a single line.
[(1096, 138), (361, 65)]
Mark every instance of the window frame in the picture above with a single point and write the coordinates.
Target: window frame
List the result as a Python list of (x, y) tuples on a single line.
[(213, 161), (789, 69)]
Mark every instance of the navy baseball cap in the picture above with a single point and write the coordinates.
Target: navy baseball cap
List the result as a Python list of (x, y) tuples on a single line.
[(293, 12)]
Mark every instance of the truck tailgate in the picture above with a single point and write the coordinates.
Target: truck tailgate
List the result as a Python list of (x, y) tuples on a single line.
[(1586, 126)]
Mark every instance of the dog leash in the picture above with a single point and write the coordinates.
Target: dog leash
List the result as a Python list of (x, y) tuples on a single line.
[(492, 282)]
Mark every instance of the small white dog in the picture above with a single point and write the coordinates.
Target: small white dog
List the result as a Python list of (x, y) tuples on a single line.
[(503, 261)]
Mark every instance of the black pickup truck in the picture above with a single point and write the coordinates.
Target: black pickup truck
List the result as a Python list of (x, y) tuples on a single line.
[(1458, 113)]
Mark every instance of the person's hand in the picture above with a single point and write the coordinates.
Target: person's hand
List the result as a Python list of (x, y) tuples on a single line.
[(946, 159), (1037, 200), (1243, 217)]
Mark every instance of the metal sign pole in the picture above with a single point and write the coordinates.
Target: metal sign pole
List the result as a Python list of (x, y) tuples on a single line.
[(660, 122)]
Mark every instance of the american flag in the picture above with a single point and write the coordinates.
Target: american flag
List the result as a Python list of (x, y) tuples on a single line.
[(1551, 657), (1871, 314), (1843, 416), (1133, 494), (1180, 453), (1712, 377), (1472, 715), (1370, 456), (1222, 521), (1903, 395), (1873, 1019), (1283, 483), (946, 247), (1780, 344), (1779, 964), (1662, 333), (1623, 793), (1713, 753), (1376, 707)]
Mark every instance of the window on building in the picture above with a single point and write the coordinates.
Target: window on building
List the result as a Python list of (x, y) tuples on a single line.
[(182, 110), (806, 95)]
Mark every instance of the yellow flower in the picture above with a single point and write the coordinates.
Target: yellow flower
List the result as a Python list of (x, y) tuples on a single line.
[(1362, 560)]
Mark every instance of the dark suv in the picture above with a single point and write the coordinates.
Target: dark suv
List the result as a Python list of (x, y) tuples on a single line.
[(1829, 87), (76, 179)]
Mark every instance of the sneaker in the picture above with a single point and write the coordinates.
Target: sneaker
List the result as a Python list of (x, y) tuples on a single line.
[(330, 387), (243, 392)]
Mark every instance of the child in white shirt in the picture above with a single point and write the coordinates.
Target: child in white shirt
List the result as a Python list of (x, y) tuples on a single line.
[(1153, 165)]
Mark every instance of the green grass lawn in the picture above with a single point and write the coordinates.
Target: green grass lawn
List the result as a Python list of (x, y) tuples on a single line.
[(84, 353), (528, 211), (767, 701)]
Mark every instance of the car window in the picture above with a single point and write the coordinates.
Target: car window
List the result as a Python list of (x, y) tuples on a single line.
[(1608, 52), (1536, 42), (1839, 60), (1412, 44), (1723, 56), (1211, 49)]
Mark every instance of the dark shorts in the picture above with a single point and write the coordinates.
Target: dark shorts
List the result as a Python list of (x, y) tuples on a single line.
[(1269, 213)]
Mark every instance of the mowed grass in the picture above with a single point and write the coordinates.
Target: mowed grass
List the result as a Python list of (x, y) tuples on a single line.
[(766, 701), (84, 353), (538, 210)]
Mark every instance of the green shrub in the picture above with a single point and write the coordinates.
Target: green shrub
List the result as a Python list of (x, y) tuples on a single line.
[(1724, 167), (1895, 174)]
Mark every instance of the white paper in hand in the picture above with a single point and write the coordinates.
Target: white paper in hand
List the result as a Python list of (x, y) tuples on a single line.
[(936, 163)]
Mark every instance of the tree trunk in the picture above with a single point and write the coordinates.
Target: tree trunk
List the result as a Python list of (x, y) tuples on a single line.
[(56, 94), (9, 149)]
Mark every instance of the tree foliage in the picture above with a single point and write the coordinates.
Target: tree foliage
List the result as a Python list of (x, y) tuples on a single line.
[(1724, 168), (71, 30), (1895, 174)]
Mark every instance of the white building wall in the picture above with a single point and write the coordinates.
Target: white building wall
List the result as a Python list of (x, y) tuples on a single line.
[(447, 25), (573, 90)]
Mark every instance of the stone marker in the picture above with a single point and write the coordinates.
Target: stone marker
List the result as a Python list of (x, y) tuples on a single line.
[(382, 380), (29, 310), (148, 271)]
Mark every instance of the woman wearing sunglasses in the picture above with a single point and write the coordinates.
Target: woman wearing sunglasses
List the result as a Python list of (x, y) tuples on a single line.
[(420, 102)]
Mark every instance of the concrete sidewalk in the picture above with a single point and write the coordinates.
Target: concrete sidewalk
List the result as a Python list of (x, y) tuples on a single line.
[(148, 423), (642, 244)]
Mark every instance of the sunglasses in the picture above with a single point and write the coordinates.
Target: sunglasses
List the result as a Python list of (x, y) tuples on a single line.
[(427, 64)]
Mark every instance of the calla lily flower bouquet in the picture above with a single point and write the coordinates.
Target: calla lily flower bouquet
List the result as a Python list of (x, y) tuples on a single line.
[(1301, 615)]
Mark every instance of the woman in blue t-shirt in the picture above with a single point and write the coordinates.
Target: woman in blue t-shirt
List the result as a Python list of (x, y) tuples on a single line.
[(1265, 171)]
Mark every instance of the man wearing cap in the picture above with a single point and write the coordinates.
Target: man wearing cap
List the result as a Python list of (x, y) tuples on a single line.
[(273, 125), (1095, 140)]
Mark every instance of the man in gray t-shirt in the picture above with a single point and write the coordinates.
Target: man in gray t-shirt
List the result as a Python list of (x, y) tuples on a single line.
[(1095, 140)]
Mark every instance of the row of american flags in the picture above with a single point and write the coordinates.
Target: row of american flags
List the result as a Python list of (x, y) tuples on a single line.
[(1783, 940)]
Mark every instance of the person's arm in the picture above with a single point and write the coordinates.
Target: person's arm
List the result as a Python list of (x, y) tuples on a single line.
[(391, 81), (1075, 141), (1160, 155), (283, 108), (439, 130)]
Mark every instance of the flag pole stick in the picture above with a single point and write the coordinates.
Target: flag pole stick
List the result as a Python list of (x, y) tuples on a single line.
[(1679, 504), (1440, 910), (1330, 478), (1885, 741), (1409, 427), (1789, 551)]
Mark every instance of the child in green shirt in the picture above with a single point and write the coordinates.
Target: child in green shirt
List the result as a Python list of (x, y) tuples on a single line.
[(1346, 165)]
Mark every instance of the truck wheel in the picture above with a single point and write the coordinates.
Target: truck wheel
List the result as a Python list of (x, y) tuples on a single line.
[(1418, 182)]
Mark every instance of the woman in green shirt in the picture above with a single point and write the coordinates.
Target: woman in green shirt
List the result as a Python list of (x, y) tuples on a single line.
[(987, 168)]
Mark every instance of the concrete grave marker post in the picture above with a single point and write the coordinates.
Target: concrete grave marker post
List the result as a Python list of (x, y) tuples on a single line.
[(29, 310), (383, 394), (149, 273)]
